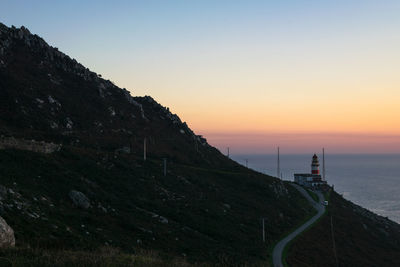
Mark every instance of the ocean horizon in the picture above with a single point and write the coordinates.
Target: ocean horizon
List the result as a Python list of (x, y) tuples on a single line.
[(369, 180)]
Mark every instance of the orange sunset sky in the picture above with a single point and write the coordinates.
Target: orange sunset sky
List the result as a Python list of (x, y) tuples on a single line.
[(250, 75)]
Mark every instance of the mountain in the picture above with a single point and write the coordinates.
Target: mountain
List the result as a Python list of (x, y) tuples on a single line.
[(74, 176), (76, 188), (48, 96)]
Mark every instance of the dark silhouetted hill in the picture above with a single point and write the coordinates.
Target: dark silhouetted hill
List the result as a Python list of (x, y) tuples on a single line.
[(76, 189), (94, 189)]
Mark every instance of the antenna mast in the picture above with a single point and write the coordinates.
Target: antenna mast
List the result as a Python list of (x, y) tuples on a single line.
[(278, 171), (323, 164)]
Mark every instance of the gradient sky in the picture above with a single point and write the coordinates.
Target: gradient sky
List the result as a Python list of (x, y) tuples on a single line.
[(250, 75)]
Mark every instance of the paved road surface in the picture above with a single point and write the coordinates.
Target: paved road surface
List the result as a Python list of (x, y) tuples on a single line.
[(278, 249)]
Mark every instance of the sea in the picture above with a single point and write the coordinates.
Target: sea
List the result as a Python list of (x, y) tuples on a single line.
[(369, 180)]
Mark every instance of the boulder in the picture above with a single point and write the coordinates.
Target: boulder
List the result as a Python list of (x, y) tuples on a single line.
[(3, 192), (7, 238), (79, 199)]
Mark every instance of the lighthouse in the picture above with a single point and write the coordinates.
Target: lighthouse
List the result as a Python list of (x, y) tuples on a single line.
[(313, 179), (315, 165)]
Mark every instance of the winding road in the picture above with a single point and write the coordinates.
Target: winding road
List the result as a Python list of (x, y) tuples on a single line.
[(278, 249)]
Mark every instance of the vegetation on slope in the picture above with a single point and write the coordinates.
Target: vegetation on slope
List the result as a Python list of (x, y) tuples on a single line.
[(201, 214), (207, 209), (348, 235)]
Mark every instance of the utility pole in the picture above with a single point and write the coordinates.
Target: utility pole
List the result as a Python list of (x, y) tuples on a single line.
[(144, 149), (247, 163), (278, 171), (263, 229), (165, 167), (333, 243), (323, 163), (228, 152)]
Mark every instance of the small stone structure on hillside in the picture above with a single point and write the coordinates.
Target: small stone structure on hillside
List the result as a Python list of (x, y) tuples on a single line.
[(31, 145)]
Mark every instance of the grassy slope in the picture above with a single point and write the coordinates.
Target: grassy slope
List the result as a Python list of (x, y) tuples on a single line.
[(105, 256), (316, 198), (361, 239), (212, 204), (312, 195), (213, 215)]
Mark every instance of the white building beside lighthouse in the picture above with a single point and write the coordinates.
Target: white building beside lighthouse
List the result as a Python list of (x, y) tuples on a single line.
[(312, 179)]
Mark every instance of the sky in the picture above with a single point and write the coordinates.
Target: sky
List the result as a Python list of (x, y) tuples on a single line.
[(249, 75)]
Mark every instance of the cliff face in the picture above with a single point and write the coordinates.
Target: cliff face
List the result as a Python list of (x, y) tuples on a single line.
[(206, 208)]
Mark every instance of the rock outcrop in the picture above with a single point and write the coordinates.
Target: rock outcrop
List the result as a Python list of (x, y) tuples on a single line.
[(79, 199), (7, 238), (31, 145)]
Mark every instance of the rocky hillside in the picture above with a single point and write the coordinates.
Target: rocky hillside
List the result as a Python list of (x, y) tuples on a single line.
[(348, 235), (75, 188), (73, 176), (46, 95)]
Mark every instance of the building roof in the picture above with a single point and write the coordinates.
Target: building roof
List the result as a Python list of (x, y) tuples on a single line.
[(308, 175)]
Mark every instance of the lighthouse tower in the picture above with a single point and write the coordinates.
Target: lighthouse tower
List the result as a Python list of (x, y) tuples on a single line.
[(315, 165), (313, 179)]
